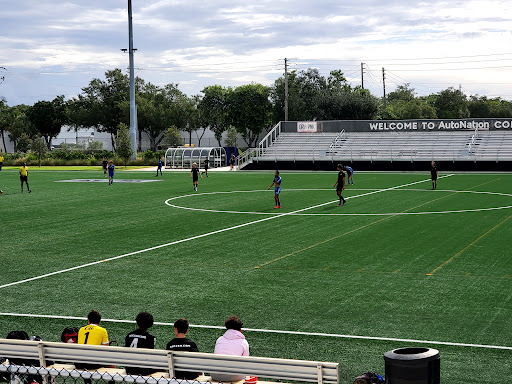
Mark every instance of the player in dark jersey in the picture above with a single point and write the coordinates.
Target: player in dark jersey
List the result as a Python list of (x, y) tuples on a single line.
[(340, 184), (194, 174), (277, 189), (182, 343), (141, 338), (104, 164), (206, 162), (433, 174)]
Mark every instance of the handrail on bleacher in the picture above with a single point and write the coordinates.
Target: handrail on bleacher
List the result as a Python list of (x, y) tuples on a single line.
[(161, 360)]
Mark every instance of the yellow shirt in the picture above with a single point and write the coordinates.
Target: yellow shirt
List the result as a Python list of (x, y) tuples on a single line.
[(93, 334), (23, 170), (1, 159)]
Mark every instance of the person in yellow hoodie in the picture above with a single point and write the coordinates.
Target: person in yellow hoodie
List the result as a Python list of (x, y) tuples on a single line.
[(24, 176), (1, 161)]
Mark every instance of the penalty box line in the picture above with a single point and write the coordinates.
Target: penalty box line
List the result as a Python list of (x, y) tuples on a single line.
[(196, 237), (261, 330)]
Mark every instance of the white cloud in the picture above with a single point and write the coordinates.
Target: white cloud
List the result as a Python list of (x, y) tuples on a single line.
[(234, 42)]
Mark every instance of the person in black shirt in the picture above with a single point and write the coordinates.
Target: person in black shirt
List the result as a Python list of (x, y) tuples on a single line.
[(340, 184), (194, 174), (104, 164), (206, 162), (140, 338), (182, 343), (433, 174)]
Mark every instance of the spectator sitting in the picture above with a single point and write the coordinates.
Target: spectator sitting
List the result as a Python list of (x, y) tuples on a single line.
[(141, 338), (69, 335), (233, 342), (30, 378), (182, 343), (92, 334)]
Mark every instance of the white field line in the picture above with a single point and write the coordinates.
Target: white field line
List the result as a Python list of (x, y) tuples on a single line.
[(195, 237), (311, 334)]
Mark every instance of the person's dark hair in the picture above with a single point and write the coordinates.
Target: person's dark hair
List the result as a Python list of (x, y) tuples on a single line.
[(339, 166), (277, 171), (144, 320), (18, 335), (234, 322), (94, 317), (181, 325)]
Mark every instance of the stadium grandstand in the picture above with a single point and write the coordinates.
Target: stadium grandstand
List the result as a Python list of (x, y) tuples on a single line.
[(481, 144)]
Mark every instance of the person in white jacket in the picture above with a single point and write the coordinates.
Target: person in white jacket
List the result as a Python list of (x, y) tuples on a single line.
[(232, 342)]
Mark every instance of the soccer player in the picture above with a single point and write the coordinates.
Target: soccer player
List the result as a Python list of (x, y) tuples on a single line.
[(141, 338), (350, 175), (1, 161), (340, 184), (111, 171), (104, 165), (159, 167), (182, 343), (232, 162), (24, 177), (433, 174), (194, 174), (277, 189), (206, 162)]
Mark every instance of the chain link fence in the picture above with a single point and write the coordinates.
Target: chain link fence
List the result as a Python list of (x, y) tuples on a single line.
[(69, 374)]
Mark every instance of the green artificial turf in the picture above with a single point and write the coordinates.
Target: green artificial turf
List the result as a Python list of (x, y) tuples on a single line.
[(377, 271)]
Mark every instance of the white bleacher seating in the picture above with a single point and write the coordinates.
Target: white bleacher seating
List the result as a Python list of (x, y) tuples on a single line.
[(371, 146)]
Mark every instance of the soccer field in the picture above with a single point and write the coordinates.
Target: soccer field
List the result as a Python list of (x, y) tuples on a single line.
[(398, 265)]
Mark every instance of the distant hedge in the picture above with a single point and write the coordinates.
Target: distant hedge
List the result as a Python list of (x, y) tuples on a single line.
[(77, 157)]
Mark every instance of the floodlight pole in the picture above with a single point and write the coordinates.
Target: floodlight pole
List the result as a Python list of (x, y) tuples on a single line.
[(285, 89), (133, 107)]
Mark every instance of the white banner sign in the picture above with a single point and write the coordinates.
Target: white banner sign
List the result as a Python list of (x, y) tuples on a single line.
[(306, 126)]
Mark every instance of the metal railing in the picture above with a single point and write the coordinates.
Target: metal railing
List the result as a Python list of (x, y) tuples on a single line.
[(473, 140), (42, 354), (246, 157), (341, 136), (269, 139)]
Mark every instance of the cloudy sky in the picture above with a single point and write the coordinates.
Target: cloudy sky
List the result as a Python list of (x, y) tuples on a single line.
[(52, 47)]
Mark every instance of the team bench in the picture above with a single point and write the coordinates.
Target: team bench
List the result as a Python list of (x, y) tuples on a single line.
[(46, 353)]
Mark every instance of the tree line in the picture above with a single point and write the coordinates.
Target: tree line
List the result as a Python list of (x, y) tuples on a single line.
[(246, 110)]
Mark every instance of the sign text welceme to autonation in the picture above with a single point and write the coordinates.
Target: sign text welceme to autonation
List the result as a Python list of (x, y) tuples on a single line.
[(440, 125)]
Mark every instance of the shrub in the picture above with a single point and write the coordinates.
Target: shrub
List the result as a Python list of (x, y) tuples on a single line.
[(149, 155)]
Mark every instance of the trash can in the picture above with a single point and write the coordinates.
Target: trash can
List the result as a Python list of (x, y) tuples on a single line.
[(415, 365)]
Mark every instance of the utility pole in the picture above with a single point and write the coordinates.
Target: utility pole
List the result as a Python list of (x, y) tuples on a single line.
[(133, 107), (362, 75), (285, 89), (384, 84)]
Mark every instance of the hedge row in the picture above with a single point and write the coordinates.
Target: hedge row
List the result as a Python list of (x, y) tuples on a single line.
[(74, 158)]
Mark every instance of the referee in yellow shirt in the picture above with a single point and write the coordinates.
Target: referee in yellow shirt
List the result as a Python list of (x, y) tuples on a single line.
[(24, 176)]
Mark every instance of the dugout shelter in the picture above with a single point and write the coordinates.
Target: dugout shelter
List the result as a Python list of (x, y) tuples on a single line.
[(184, 157)]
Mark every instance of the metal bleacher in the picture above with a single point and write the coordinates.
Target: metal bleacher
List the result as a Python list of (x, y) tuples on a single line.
[(299, 146), (492, 146), (391, 146), (414, 146)]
